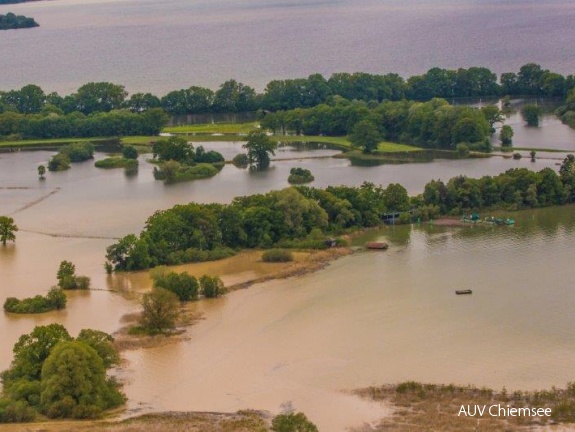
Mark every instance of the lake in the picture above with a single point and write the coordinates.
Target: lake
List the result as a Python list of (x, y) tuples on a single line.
[(153, 46)]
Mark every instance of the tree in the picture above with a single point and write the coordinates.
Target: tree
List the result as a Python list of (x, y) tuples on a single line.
[(492, 115), (291, 422), (41, 171), (74, 383), (103, 344), (66, 275), (32, 350), (99, 97), (365, 135), (160, 310), (531, 114), (7, 229), (259, 147), (185, 286), (396, 198), (174, 148), (506, 136)]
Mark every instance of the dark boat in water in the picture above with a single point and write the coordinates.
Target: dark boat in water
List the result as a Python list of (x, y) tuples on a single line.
[(461, 292)]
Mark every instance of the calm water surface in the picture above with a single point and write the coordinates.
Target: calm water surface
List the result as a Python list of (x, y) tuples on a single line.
[(160, 46)]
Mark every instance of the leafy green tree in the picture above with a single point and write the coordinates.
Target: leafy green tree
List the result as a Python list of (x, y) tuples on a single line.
[(365, 135), (66, 275), (234, 96), (492, 115), (59, 162), (129, 253), (160, 310), (259, 147), (174, 148), (41, 171), (74, 383), (32, 350), (293, 422), (506, 136), (185, 286), (7, 230), (103, 344), (129, 152), (396, 198), (531, 114), (99, 97)]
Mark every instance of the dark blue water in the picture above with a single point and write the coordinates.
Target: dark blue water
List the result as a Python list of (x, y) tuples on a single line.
[(157, 46)]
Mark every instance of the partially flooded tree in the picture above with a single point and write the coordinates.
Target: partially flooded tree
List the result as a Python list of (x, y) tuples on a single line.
[(7, 229), (259, 147), (160, 311)]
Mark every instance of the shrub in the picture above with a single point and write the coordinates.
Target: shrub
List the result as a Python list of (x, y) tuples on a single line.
[(212, 286), (293, 422), (241, 160), (67, 278), (208, 157), (300, 176), (78, 152), (462, 150), (116, 162), (185, 286), (55, 299), (59, 162), (277, 255), (129, 152)]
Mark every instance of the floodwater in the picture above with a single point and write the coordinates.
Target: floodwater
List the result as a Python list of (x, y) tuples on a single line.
[(161, 46), (366, 319), (381, 317)]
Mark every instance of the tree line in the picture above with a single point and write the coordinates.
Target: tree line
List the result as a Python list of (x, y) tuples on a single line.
[(234, 96), (46, 125), (431, 124), (304, 216)]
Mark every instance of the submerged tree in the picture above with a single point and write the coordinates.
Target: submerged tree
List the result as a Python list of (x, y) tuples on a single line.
[(41, 171), (531, 114), (7, 229), (259, 147)]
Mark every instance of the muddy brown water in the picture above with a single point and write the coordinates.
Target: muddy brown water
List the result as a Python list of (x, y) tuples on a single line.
[(369, 318)]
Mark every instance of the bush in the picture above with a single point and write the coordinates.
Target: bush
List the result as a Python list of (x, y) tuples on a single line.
[(59, 162), (15, 411), (462, 150), (78, 152), (116, 162), (186, 287), (293, 422), (300, 176), (212, 286), (241, 160), (208, 157), (277, 255), (67, 278), (129, 152), (55, 299), (172, 171)]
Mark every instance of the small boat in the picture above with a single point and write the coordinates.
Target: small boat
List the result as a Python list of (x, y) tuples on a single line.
[(461, 292), (377, 245)]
